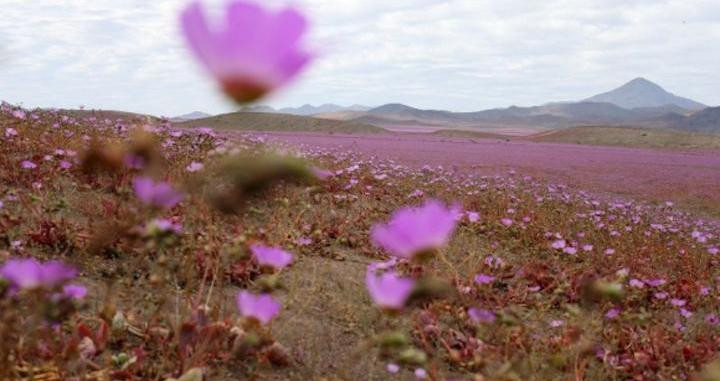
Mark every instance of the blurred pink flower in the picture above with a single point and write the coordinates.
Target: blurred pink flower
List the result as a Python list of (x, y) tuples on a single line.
[(271, 256), (392, 368), (559, 244), (27, 164), (660, 295), (29, 273), (388, 290), (473, 216), (133, 161), (484, 279), (195, 167), (613, 313), (255, 50), (158, 194), (415, 230), (712, 319), (506, 222), (303, 241), (479, 315), (161, 226), (261, 307), (321, 174), (677, 302), (655, 282), (75, 291)]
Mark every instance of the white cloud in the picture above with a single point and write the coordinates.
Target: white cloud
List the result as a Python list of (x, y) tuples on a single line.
[(456, 54)]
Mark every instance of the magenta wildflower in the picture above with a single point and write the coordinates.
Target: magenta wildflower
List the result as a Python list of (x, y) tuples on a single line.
[(133, 161), (388, 290), (29, 273), (65, 164), (480, 315), (507, 222), (10, 132), (19, 114), (262, 308), (162, 226), (420, 373), (677, 302), (271, 256), (473, 216), (559, 244), (660, 295), (159, 194), (570, 250), (484, 279), (685, 313), (613, 313), (27, 164), (415, 230), (557, 323), (712, 319), (392, 368), (655, 282), (304, 241), (75, 291), (195, 167), (636, 283), (254, 52)]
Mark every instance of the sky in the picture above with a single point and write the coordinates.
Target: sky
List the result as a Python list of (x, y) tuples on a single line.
[(460, 55)]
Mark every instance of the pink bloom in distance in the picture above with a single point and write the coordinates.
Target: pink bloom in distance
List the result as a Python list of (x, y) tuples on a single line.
[(415, 230), (388, 291), (159, 194), (262, 308), (271, 256)]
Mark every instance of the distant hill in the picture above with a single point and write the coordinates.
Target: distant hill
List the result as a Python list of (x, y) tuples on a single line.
[(308, 110), (637, 103), (630, 137), (191, 116), (707, 120), (554, 115), (255, 121), (643, 93)]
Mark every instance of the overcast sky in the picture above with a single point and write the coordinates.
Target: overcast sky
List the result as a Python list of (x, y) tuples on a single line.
[(460, 55)]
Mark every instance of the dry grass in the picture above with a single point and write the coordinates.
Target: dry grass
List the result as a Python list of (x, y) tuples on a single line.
[(255, 121), (631, 137)]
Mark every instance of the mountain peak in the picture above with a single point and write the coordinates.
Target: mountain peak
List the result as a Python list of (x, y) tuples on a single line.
[(641, 92)]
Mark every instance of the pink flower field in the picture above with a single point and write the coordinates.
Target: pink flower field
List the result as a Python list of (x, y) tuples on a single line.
[(691, 178), (133, 249), (284, 261)]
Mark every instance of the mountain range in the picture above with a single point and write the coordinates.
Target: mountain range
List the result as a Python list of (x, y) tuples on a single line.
[(640, 93), (639, 102)]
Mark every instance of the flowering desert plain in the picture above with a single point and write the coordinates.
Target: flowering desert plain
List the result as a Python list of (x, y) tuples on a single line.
[(135, 248)]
